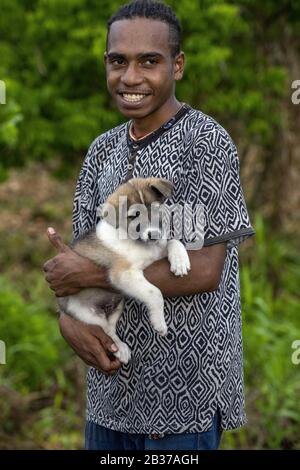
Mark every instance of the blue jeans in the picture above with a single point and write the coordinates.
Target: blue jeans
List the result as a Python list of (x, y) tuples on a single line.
[(99, 438)]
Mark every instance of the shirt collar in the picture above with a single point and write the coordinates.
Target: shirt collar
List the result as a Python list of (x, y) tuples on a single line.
[(155, 134)]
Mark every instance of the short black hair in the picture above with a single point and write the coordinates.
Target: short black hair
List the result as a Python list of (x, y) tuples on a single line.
[(153, 10)]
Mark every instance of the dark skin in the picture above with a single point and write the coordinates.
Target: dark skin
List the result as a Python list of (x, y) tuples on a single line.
[(130, 68), (138, 60)]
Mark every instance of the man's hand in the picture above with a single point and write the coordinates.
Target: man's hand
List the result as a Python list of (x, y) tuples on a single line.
[(91, 344), (68, 273)]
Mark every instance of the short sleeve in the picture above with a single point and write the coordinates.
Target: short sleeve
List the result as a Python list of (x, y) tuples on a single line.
[(214, 184)]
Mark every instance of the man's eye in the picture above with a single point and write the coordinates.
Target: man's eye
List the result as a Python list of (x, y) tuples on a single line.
[(117, 61), (151, 61)]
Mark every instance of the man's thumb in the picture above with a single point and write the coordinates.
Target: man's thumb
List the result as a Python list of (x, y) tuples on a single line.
[(56, 240)]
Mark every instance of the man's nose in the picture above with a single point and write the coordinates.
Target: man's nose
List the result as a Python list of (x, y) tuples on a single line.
[(131, 76)]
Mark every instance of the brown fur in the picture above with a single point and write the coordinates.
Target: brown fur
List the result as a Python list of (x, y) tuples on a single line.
[(152, 189)]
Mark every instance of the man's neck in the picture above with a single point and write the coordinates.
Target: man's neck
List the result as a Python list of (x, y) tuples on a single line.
[(144, 126)]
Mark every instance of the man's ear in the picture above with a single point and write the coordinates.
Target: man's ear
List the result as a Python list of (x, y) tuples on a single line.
[(179, 65), (105, 58)]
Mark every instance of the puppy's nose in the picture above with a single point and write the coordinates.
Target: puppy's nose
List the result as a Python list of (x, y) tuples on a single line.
[(154, 234)]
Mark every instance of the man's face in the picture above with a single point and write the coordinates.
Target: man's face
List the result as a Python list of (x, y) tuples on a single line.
[(140, 70)]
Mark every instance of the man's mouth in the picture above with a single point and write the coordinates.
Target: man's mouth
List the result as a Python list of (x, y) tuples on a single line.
[(133, 97)]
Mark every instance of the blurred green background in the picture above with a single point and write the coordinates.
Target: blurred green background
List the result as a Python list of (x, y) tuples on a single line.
[(242, 57)]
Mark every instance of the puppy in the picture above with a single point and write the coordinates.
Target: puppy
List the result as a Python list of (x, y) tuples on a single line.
[(127, 239)]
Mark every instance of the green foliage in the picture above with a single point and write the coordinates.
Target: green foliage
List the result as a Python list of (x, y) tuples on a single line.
[(227, 74), (270, 303), (57, 101), (271, 324), (34, 346), (59, 77), (39, 403)]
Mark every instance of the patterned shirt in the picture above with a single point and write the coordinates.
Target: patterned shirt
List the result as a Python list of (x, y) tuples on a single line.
[(174, 384)]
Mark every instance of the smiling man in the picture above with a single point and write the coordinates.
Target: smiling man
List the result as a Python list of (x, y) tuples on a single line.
[(180, 391), (142, 68)]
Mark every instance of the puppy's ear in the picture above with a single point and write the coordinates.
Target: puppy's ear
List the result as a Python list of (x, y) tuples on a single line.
[(100, 211), (107, 212), (103, 211), (162, 188)]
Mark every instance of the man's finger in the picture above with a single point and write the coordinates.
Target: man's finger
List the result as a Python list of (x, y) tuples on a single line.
[(48, 277), (56, 240), (101, 358), (106, 341), (115, 365)]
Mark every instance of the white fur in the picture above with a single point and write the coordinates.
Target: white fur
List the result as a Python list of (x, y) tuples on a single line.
[(178, 258), (131, 282), (139, 254)]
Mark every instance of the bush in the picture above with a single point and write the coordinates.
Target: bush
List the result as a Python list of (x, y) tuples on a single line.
[(35, 349), (270, 278)]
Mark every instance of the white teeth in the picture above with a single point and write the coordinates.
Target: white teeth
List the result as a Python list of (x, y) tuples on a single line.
[(133, 97)]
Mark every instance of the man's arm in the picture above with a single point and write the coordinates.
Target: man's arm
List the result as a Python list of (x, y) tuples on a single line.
[(68, 272), (204, 275)]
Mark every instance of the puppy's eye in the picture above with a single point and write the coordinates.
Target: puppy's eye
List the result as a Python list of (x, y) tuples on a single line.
[(133, 216)]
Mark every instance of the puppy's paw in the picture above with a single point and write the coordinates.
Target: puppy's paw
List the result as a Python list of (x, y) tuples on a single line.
[(160, 327), (179, 259), (123, 354), (163, 331)]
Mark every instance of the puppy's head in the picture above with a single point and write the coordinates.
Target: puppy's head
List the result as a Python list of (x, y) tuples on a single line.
[(134, 208)]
